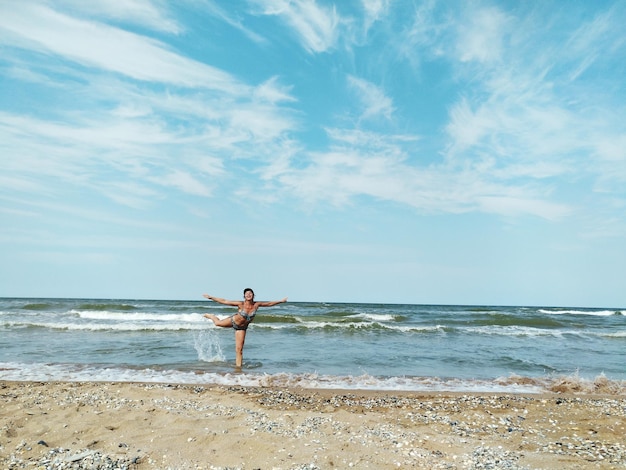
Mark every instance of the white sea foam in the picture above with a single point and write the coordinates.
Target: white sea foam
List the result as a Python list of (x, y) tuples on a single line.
[(80, 373), (375, 317), (111, 326), (617, 334), (597, 313), (513, 330), (417, 329), (313, 325), (512, 384), (139, 316)]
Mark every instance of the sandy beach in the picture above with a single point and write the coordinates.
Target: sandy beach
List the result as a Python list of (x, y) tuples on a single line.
[(157, 426)]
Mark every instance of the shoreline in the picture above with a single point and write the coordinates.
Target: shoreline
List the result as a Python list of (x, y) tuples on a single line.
[(250, 377), (174, 426)]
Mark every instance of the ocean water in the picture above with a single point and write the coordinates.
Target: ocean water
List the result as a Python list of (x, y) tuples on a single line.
[(317, 345)]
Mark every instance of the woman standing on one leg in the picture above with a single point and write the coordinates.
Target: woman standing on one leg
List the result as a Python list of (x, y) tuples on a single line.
[(240, 321)]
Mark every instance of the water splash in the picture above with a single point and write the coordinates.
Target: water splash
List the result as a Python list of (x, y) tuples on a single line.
[(208, 347)]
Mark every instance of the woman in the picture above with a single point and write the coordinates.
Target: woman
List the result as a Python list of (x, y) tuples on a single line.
[(239, 321)]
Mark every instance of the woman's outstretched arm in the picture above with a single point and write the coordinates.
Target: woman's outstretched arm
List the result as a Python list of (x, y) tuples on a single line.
[(271, 303), (234, 303)]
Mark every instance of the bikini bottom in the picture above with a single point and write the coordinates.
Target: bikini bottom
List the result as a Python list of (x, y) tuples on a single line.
[(237, 327)]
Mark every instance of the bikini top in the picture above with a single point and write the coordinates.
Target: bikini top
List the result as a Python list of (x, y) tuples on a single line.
[(247, 316)]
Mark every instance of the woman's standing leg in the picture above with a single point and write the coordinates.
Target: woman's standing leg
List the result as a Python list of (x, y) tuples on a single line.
[(240, 338)]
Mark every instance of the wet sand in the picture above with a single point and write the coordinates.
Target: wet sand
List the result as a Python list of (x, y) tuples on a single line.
[(158, 426)]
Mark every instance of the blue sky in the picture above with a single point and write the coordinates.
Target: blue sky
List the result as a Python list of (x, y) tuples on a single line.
[(458, 152)]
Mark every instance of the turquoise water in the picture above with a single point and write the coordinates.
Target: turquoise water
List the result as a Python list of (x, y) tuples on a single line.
[(365, 346)]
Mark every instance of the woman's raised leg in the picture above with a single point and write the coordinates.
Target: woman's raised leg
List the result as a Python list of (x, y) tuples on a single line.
[(224, 322)]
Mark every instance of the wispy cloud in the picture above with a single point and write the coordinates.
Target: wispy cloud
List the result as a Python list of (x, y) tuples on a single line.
[(125, 136), (375, 10), (522, 114), (94, 44), (184, 182), (480, 38), (424, 34), (314, 25), (372, 98), (140, 12), (212, 7), (152, 119), (368, 164)]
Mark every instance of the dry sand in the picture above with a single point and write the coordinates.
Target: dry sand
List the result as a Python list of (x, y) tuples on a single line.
[(157, 426)]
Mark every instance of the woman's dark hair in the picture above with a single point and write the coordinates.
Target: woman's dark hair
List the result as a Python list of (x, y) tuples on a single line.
[(246, 290)]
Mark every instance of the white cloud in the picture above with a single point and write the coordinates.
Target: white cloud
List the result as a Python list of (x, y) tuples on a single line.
[(125, 139), (247, 120), (480, 35), (612, 148), (425, 36), (513, 207), (128, 193), (184, 182), (16, 183), (375, 10), (95, 44), (526, 114), (373, 99), (148, 13), (362, 164), (214, 9), (510, 127), (272, 92), (315, 26), (594, 38)]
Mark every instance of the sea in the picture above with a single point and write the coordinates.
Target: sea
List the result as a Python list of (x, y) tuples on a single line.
[(347, 346)]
